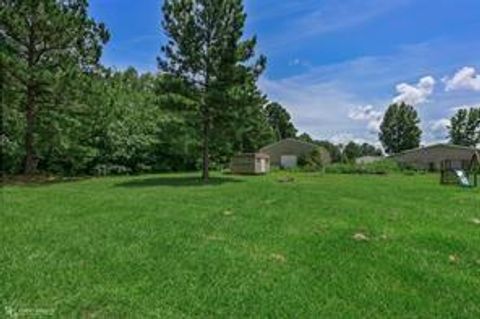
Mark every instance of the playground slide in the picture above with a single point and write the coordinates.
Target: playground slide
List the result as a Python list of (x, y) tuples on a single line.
[(463, 178)]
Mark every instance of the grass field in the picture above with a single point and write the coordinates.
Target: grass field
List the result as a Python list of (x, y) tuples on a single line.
[(166, 246)]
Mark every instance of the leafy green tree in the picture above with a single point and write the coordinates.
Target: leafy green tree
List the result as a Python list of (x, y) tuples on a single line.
[(280, 121), (62, 126), (11, 123), (253, 130), (317, 159), (44, 42), (206, 50), (465, 127), (352, 151), (400, 129), (126, 131), (370, 150), (305, 137), (335, 151)]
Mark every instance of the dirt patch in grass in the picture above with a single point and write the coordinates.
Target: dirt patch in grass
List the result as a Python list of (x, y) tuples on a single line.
[(278, 258)]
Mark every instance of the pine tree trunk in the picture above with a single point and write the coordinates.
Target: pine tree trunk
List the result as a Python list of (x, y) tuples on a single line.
[(30, 161), (206, 159), (206, 121)]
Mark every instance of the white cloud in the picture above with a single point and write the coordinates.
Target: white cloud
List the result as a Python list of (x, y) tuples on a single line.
[(344, 138), (298, 62), (364, 113), (295, 62), (367, 114), (465, 79), (321, 98), (319, 108), (415, 94), (440, 125), (437, 130)]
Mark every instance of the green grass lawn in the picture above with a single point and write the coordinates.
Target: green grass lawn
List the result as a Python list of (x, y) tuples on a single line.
[(167, 246)]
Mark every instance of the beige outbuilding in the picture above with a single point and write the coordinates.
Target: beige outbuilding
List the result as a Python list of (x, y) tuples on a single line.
[(250, 164)]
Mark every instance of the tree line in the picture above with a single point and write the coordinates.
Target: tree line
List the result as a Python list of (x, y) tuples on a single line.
[(400, 129), (65, 113)]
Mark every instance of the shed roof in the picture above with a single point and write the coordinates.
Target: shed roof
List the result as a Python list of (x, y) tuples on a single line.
[(252, 155)]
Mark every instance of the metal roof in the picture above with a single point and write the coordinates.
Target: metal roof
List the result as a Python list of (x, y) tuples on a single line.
[(288, 140), (440, 145)]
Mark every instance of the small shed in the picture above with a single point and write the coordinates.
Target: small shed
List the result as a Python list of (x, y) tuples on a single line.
[(250, 164)]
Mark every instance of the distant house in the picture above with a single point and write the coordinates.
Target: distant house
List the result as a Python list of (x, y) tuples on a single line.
[(431, 157), (368, 159), (287, 152), (250, 163)]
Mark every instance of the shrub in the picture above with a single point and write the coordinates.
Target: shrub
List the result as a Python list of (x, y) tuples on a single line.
[(377, 168), (107, 169), (316, 160)]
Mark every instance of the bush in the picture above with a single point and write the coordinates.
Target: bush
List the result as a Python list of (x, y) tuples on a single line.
[(316, 160), (107, 169), (377, 168)]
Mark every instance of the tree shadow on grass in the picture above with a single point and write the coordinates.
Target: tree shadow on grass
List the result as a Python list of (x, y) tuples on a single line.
[(189, 181), (39, 180)]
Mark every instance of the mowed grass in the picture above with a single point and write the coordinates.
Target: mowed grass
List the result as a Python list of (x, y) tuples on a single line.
[(166, 246)]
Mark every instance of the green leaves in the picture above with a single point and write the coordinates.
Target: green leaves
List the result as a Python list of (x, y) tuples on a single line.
[(465, 127), (280, 121), (44, 44), (400, 130), (64, 113)]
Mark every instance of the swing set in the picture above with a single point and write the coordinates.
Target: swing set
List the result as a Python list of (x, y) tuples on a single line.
[(462, 173)]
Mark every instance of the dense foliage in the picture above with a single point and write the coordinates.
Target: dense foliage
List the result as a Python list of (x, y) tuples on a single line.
[(335, 151), (64, 113), (352, 151), (400, 130), (316, 160), (46, 46), (281, 121), (344, 153), (382, 167), (465, 127), (108, 122)]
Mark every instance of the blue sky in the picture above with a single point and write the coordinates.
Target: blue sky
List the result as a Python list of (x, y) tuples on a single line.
[(336, 65)]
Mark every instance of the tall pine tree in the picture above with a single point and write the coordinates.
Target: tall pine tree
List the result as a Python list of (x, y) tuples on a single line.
[(44, 42), (207, 51)]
